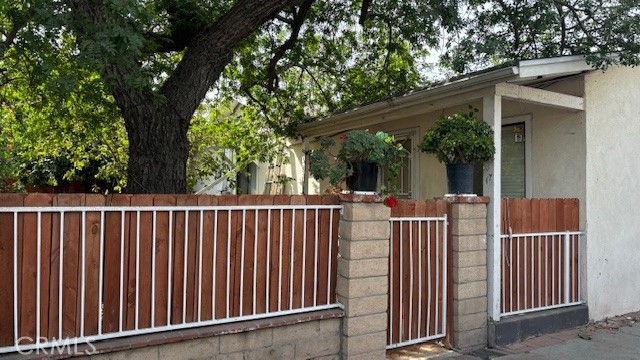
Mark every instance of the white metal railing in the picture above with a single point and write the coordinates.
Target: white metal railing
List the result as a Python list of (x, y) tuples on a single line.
[(540, 271), (184, 248), (417, 313)]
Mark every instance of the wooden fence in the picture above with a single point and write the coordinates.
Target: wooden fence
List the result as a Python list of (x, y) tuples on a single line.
[(540, 254), (417, 272), (539, 215), (93, 265)]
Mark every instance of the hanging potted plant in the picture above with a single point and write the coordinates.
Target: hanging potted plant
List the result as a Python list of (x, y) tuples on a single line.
[(460, 141), (357, 162)]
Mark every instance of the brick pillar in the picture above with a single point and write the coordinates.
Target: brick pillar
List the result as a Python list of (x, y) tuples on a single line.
[(363, 276), (469, 271)]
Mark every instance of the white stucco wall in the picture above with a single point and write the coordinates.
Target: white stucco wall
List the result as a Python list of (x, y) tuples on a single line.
[(613, 191)]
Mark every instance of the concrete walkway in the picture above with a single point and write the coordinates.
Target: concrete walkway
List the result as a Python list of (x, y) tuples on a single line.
[(613, 339)]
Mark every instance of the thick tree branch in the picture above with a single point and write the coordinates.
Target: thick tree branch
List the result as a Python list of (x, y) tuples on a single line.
[(11, 35), (284, 19), (186, 20), (297, 21), (210, 52), (364, 11)]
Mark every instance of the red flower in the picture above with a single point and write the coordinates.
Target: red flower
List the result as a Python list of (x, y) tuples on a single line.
[(391, 202)]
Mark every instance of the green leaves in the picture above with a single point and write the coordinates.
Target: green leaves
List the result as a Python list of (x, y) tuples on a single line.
[(57, 116), (229, 129), (356, 146), (493, 32), (336, 63), (459, 138)]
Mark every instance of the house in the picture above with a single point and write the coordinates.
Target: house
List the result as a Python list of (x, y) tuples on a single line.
[(562, 130), (94, 267)]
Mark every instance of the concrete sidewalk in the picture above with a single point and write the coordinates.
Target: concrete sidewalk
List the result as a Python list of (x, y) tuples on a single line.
[(612, 339)]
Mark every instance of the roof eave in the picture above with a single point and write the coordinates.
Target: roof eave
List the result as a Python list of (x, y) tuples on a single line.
[(525, 70), (552, 67), (328, 125)]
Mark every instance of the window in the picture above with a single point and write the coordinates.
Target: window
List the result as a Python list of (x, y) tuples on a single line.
[(246, 180), (513, 162), (403, 183), (516, 140)]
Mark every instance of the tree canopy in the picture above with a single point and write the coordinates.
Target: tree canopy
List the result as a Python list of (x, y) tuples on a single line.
[(145, 67), (607, 32), (58, 120)]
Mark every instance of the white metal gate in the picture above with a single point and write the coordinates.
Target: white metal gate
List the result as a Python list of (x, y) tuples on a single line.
[(417, 280)]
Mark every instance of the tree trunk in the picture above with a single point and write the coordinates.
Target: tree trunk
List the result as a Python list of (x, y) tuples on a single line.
[(158, 153)]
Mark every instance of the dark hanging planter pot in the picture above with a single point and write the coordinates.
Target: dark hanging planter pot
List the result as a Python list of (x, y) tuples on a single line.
[(460, 178), (364, 178)]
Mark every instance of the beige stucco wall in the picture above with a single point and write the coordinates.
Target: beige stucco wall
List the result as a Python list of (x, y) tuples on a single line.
[(613, 180), (293, 168)]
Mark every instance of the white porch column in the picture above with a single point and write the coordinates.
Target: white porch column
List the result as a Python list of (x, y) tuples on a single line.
[(492, 114)]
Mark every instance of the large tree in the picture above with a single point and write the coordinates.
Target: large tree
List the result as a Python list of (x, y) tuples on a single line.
[(160, 58), (291, 59), (126, 36)]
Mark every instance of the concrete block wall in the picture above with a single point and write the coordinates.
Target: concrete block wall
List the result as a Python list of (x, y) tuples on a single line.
[(317, 339), (469, 272), (363, 276)]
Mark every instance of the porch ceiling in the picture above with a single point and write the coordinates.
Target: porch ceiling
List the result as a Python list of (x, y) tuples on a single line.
[(540, 97)]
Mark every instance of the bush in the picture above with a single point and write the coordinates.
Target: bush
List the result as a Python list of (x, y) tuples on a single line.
[(358, 146), (459, 139)]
